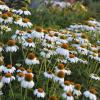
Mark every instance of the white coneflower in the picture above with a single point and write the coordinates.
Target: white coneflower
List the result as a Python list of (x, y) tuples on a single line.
[(27, 82), (50, 37), (31, 59), (5, 28), (82, 50), (20, 76), (6, 19), (39, 93), (68, 96), (48, 74), (95, 77), (11, 47), (21, 69), (90, 94), (23, 11), (38, 33), (7, 78), (3, 6), (19, 36), (60, 67), (63, 50), (67, 86), (29, 43), (77, 89), (59, 77), (45, 55), (29, 71), (9, 69), (72, 58)]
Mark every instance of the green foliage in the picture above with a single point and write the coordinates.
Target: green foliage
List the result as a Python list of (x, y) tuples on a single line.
[(56, 17)]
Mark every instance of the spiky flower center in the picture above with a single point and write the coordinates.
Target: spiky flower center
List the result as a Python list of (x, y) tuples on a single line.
[(2, 3), (83, 46), (64, 45), (69, 94), (24, 8), (53, 98), (38, 29), (67, 82), (51, 35), (61, 74), (11, 42), (29, 70), (29, 31), (8, 75), (9, 14), (4, 16), (71, 56), (31, 56), (83, 36), (20, 74), (61, 66), (25, 20), (49, 72), (9, 66), (93, 90), (29, 40), (22, 68), (28, 77), (78, 86), (40, 90), (62, 37)]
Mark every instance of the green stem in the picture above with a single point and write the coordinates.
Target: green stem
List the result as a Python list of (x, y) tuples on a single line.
[(12, 91), (11, 57), (25, 94)]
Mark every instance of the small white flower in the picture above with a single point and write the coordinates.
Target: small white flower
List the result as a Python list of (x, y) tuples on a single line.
[(39, 93), (28, 43), (11, 47), (9, 69), (27, 82), (48, 75), (68, 96), (31, 59), (95, 77), (90, 94), (7, 78)]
